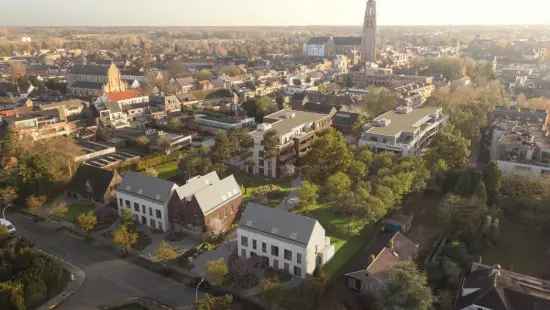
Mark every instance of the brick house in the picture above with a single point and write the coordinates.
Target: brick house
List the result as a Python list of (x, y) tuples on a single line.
[(205, 204)]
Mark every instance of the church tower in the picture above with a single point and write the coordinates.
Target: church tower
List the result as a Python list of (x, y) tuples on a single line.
[(368, 42)]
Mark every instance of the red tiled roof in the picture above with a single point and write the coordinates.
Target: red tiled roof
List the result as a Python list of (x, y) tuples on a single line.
[(118, 96)]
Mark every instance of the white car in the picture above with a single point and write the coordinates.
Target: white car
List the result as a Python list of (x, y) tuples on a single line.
[(8, 225)]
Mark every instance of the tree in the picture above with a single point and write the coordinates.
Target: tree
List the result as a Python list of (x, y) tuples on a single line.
[(204, 74), (87, 222), (379, 100), (329, 154), (12, 296), (222, 149), (451, 147), (216, 271), (337, 186), (308, 194), (259, 107), (35, 202), (174, 124), (209, 302), (271, 144), (125, 238), (407, 289), (151, 172), (166, 252), (492, 177), (143, 141), (126, 217)]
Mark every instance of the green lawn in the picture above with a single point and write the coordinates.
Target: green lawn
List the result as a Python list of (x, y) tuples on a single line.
[(521, 248), (347, 236), (168, 170), (256, 186), (76, 209)]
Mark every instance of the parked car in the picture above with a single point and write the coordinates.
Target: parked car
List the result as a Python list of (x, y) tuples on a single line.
[(8, 225)]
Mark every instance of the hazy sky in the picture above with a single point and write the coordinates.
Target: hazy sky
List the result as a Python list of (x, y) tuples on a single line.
[(269, 12)]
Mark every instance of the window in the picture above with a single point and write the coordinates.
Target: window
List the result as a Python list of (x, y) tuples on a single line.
[(261, 163), (299, 258), (150, 211), (297, 271), (274, 250), (153, 223), (159, 214), (243, 253), (264, 247), (287, 267), (261, 154), (252, 254), (144, 209), (136, 206), (128, 203), (244, 241), (121, 202), (254, 245), (276, 264), (288, 255)]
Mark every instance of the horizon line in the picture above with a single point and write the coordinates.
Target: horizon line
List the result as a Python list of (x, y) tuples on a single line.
[(271, 26)]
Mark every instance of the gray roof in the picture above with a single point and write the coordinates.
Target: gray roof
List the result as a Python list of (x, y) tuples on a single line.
[(285, 120), (402, 122), (217, 194), (318, 40), (90, 69), (347, 40), (196, 184), (277, 222), (146, 186)]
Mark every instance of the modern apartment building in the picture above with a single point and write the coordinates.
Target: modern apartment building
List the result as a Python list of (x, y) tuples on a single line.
[(294, 131), (404, 131)]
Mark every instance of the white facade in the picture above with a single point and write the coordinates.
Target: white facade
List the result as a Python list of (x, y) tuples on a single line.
[(286, 254), (315, 50), (145, 211)]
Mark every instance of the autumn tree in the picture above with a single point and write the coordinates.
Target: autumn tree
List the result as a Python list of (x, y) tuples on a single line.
[(125, 238), (209, 302), (329, 154), (7, 195), (407, 289), (166, 252), (451, 147), (35, 202), (216, 271), (87, 222), (308, 194)]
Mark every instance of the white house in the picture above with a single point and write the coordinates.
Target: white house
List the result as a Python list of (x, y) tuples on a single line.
[(147, 198), (289, 242)]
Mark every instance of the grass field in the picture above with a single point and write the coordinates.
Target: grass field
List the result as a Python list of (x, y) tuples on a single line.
[(347, 235), (168, 170), (520, 248)]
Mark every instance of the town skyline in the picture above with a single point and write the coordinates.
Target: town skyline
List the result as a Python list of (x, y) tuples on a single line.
[(262, 13)]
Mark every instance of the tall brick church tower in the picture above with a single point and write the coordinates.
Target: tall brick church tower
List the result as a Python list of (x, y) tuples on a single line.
[(368, 42)]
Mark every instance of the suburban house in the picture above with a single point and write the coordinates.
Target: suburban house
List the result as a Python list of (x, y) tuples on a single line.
[(205, 204), (295, 132), (493, 288), (404, 131), (388, 250), (93, 184), (289, 242), (147, 198)]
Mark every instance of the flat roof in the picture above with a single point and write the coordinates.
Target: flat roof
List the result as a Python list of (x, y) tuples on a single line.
[(285, 120), (401, 122)]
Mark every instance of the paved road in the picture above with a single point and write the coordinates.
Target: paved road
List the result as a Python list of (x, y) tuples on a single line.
[(109, 279)]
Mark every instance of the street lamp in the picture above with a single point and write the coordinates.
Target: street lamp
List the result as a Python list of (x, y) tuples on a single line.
[(197, 291)]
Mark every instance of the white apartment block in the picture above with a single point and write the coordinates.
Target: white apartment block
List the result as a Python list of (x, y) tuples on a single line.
[(404, 131), (293, 243), (147, 198)]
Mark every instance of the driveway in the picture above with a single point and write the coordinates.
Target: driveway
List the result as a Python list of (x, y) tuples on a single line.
[(109, 279), (291, 201)]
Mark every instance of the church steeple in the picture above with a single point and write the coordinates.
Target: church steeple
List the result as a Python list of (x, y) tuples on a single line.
[(368, 44)]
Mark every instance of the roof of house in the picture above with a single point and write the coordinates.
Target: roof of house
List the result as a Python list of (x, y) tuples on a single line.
[(214, 196), (90, 69), (278, 223), (123, 95), (402, 122), (209, 191), (347, 40), (345, 118), (498, 289), (318, 40), (387, 251), (152, 188), (90, 180)]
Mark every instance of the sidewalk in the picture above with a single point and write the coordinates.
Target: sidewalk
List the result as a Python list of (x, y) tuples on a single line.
[(77, 278), (291, 201)]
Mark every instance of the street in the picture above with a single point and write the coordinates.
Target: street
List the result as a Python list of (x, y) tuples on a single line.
[(109, 279)]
